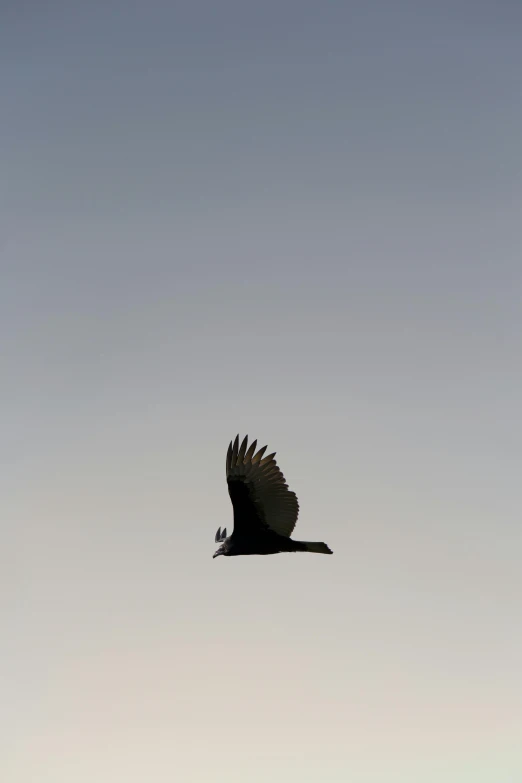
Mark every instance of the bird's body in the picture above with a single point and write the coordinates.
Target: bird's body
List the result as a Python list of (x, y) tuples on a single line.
[(265, 510)]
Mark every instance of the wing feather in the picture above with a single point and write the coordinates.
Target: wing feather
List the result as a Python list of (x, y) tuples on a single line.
[(258, 456), (242, 450), (250, 452), (235, 449)]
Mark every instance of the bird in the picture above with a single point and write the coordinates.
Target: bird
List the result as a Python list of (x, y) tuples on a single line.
[(265, 510)]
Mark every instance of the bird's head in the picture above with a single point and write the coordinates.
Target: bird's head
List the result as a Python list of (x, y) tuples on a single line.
[(221, 536)]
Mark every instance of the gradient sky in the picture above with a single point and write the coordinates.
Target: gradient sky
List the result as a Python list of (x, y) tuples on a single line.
[(298, 220)]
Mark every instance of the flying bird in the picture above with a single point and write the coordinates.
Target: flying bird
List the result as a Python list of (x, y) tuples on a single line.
[(265, 510)]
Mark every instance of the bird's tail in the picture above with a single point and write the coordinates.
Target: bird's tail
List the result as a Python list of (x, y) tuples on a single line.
[(316, 546)]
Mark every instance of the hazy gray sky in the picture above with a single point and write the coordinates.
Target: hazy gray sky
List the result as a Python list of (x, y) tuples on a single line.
[(298, 220)]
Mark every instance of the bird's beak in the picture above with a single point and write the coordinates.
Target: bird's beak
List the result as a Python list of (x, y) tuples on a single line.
[(216, 554)]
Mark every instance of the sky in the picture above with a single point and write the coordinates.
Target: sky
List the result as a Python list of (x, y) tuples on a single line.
[(300, 221)]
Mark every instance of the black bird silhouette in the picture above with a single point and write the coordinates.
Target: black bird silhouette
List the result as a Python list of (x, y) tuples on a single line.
[(265, 510)]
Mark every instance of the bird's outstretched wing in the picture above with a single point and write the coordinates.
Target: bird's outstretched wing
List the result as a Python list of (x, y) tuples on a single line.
[(258, 491)]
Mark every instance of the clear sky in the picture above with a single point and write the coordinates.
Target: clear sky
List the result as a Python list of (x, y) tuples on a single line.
[(298, 220)]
